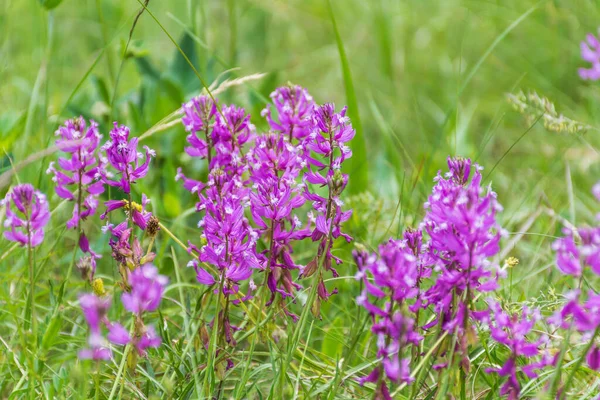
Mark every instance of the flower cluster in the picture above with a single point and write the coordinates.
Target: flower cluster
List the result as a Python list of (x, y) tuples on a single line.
[(512, 331), (572, 258), (27, 214), (230, 240), (276, 194), (123, 156), (590, 52), (326, 150), (393, 277), (463, 234), (147, 288), (83, 171), (295, 109), (95, 311)]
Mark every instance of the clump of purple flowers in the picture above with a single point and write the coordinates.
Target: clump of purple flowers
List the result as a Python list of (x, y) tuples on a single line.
[(83, 171), (463, 235), (147, 288), (27, 214), (122, 154), (276, 194), (590, 52), (392, 277), (295, 108), (325, 151), (514, 331), (95, 311)]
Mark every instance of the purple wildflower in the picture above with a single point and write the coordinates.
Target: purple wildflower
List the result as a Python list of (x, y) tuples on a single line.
[(584, 316), (95, 310), (83, 170), (512, 331), (295, 109), (276, 165), (27, 214), (147, 288), (393, 277), (230, 240), (571, 258), (461, 223), (122, 154), (590, 52), (199, 116), (328, 142)]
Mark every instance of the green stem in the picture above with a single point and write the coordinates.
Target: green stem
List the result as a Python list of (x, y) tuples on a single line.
[(119, 372), (97, 382)]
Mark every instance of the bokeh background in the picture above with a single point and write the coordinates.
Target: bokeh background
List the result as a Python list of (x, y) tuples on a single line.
[(429, 80)]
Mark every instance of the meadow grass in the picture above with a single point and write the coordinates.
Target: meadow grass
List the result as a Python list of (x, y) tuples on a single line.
[(422, 79)]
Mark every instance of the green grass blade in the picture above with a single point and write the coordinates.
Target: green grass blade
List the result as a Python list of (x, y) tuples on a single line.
[(357, 165)]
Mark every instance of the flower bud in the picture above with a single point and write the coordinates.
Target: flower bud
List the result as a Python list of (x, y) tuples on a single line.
[(310, 268)]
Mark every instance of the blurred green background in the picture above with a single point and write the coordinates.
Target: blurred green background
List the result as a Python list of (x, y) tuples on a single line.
[(430, 80)]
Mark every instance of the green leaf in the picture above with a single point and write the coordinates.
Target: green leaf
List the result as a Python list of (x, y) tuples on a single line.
[(180, 69), (51, 332), (357, 165)]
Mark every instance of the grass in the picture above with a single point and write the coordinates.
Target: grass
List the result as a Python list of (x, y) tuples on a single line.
[(427, 78)]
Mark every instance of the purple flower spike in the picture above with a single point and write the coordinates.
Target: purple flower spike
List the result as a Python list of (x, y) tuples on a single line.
[(514, 332), (276, 165), (461, 223), (83, 169), (199, 116), (147, 288), (295, 109), (122, 154), (326, 150), (590, 52), (393, 276), (27, 214)]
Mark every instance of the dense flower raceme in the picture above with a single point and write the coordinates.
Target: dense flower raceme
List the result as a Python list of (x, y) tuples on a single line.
[(82, 170), (331, 131), (463, 231), (276, 194), (122, 155), (79, 178), (295, 109), (217, 134), (27, 214), (393, 278), (590, 52), (515, 332), (230, 240), (578, 249)]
